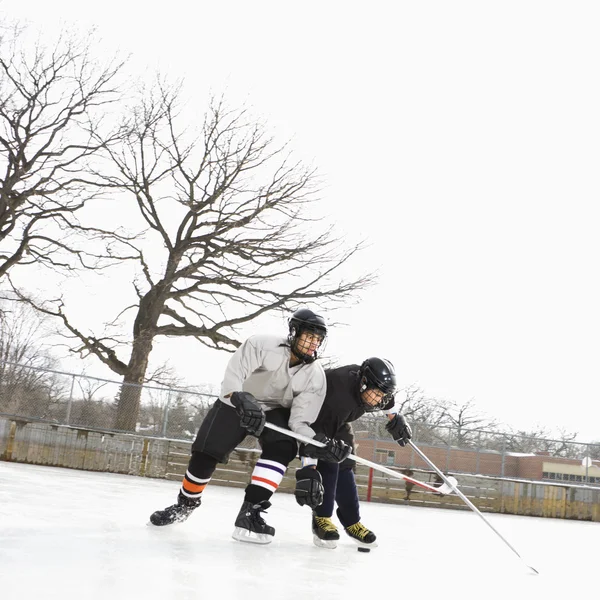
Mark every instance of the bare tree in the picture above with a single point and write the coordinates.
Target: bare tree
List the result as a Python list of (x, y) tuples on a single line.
[(566, 445), (541, 439), (22, 336), (419, 408), (51, 104), (27, 387), (466, 420), (593, 450), (230, 237), (90, 411), (426, 414)]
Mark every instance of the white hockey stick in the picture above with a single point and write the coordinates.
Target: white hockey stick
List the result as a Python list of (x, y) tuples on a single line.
[(467, 501), (444, 489)]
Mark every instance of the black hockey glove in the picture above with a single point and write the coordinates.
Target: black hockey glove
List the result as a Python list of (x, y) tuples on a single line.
[(309, 487), (252, 416), (399, 429), (334, 451)]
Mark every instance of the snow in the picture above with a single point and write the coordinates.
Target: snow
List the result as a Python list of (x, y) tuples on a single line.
[(67, 534)]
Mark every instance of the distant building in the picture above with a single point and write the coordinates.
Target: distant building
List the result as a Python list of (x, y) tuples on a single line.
[(538, 467)]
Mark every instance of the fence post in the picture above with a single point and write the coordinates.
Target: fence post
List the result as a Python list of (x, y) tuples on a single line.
[(166, 415), (587, 461), (70, 402), (448, 449), (417, 441), (370, 485)]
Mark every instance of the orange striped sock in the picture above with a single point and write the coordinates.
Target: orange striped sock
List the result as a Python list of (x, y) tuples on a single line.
[(192, 487)]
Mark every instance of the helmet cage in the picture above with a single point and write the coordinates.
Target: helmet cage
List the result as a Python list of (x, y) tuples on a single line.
[(370, 381), (385, 399), (299, 326)]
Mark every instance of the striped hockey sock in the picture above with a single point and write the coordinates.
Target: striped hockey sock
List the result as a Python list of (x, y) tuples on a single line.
[(192, 487), (268, 474)]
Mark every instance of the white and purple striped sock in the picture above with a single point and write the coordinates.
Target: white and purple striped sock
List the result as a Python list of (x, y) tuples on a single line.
[(268, 474)]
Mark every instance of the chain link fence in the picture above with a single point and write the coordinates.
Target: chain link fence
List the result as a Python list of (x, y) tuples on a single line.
[(494, 453), (62, 398), (56, 397)]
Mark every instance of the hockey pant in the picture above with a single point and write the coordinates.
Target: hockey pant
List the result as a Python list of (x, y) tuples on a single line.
[(220, 433)]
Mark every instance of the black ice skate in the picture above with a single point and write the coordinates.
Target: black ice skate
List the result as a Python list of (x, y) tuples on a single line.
[(177, 513), (361, 535), (250, 526), (325, 533)]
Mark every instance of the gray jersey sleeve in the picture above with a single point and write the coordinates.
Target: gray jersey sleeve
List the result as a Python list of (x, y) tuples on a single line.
[(245, 360), (307, 404)]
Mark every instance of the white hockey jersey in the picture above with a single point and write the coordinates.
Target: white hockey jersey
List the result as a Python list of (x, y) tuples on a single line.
[(261, 366)]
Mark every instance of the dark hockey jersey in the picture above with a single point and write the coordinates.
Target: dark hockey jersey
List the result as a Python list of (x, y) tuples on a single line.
[(342, 400)]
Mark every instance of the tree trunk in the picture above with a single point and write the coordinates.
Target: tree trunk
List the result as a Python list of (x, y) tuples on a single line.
[(128, 406)]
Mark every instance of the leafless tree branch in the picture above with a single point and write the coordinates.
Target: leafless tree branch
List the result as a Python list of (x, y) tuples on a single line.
[(52, 103), (233, 217)]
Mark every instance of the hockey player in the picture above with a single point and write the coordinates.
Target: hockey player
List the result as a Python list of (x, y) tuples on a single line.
[(268, 378), (351, 391)]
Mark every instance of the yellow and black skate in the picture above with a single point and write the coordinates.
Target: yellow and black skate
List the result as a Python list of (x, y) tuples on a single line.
[(363, 537), (325, 533)]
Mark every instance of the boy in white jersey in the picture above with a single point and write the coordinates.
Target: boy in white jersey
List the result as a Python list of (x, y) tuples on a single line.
[(268, 378)]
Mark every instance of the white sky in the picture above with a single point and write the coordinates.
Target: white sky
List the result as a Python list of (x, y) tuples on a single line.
[(85, 536), (460, 138)]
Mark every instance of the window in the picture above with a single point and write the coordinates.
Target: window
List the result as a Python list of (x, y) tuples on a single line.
[(386, 457)]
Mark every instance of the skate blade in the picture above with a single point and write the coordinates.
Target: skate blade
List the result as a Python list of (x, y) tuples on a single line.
[(319, 543), (250, 537)]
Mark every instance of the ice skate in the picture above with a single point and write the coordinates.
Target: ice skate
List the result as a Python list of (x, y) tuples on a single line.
[(363, 537), (250, 526), (176, 513), (325, 533)]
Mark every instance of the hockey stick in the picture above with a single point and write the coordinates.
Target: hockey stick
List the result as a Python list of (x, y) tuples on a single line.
[(443, 490), (467, 501)]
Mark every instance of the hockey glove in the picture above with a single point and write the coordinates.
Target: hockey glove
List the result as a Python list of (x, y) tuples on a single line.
[(309, 487), (334, 451), (252, 416), (399, 429)]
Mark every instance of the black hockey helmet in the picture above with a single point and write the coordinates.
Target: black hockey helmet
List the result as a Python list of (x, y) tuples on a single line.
[(303, 320), (377, 374)]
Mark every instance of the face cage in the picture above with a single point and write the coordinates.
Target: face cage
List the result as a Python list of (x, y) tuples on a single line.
[(295, 334), (385, 399)]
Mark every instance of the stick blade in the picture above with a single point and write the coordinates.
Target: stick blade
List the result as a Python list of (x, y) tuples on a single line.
[(446, 489)]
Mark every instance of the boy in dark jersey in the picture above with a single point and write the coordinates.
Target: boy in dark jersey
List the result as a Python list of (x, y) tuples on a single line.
[(352, 391)]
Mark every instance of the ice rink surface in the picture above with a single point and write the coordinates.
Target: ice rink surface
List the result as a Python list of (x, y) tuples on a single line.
[(67, 534)]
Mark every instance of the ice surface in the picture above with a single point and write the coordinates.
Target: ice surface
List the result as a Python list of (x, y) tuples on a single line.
[(67, 534)]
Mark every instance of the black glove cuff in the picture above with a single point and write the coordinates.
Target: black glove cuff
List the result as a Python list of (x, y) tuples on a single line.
[(308, 473)]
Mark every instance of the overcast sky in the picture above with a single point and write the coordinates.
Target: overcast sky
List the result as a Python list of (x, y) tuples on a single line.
[(461, 139)]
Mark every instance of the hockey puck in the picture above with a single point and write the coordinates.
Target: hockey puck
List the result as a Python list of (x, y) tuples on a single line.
[(364, 549)]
